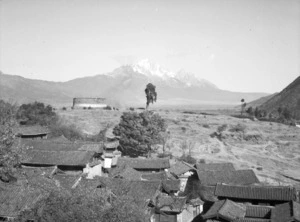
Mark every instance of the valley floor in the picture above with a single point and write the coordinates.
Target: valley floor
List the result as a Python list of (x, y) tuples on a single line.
[(272, 150)]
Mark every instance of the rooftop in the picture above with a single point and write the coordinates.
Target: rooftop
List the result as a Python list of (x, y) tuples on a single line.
[(31, 130), (181, 167), (15, 199), (286, 212), (258, 211), (57, 144), (170, 204), (57, 158), (143, 163), (241, 177), (280, 193), (215, 167), (226, 209)]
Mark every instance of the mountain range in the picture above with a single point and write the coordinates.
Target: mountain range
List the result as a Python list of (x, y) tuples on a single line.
[(123, 86)]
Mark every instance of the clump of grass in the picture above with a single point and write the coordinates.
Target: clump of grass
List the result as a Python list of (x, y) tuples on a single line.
[(259, 168), (222, 128), (202, 161), (239, 128), (205, 126)]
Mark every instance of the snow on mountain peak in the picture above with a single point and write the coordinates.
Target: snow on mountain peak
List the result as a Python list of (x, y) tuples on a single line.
[(151, 69)]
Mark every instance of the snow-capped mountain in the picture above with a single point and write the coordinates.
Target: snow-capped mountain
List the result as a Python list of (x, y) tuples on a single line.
[(151, 69), (180, 78), (124, 85)]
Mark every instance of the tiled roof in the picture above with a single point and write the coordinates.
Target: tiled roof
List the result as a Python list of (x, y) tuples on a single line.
[(143, 163), (65, 180), (226, 209), (283, 193), (54, 145), (286, 212), (31, 130), (111, 145), (155, 176), (213, 210), (231, 210), (251, 220), (181, 167), (241, 177), (16, 199), (171, 185), (170, 204), (61, 158), (215, 167), (127, 173), (140, 191), (258, 211), (92, 147)]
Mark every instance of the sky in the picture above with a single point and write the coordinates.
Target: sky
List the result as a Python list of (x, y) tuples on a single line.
[(239, 45)]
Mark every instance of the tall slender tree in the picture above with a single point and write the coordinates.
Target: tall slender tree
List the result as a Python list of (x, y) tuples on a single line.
[(151, 94)]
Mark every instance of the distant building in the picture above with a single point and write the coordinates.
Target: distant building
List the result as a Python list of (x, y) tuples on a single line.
[(89, 102)]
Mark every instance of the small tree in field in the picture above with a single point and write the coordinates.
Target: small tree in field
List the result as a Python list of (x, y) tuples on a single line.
[(138, 132), (243, 106), (9, 156), (151, 94)]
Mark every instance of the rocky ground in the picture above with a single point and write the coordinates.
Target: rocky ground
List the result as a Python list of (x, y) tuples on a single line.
[(272, 150)]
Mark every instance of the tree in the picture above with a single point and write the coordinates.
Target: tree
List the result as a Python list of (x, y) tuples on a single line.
[(151, 94), (243, 106), (9, 153), (250, 111), (36, 113), (138, 132)]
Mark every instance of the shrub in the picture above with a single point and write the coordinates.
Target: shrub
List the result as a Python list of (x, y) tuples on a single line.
[(89, 107), (205, 125), (64, 108), (222, 128), (84, 107), (188, 158), (165, 155), (202, 161), (107, 108), (238, 128), (36, 113), (139, 131), (71, 132)]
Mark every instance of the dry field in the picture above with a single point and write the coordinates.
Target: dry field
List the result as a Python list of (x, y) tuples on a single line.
[(272, 150)]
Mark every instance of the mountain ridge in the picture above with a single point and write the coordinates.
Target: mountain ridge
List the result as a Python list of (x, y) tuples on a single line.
[(289, 97), (125, 85)]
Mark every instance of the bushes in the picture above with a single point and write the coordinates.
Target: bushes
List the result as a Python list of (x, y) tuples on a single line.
[(238, 128), (36, 113), (71, 132), (188, 158), (139, 131)]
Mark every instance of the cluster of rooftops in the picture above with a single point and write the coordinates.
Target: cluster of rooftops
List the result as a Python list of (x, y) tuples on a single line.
[(182, 192)]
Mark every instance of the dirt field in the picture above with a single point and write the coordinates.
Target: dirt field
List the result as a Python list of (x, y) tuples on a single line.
[(272, 150)]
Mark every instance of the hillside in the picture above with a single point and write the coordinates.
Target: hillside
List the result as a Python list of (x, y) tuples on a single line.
[(124, 86), (260, 101), (270, 149), (288, 97)]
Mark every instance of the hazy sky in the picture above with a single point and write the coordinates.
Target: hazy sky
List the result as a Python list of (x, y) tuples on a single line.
[(239, 45)]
